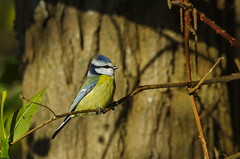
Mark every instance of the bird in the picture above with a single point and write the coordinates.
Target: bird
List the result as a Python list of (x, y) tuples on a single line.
[(97, 90)]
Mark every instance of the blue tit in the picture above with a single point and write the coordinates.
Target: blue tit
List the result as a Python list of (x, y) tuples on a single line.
[(97, 90)]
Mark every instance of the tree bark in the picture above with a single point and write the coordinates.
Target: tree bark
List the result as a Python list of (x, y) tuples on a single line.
[(142, 38)]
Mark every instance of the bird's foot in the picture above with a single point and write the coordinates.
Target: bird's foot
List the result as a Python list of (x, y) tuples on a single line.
[(100, 111), (114, 105)]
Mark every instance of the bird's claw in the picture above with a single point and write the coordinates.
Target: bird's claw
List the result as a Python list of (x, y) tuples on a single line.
[(100, 111), (114, 105)]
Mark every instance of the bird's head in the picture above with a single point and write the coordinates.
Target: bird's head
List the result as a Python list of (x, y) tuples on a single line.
[(101, 65)]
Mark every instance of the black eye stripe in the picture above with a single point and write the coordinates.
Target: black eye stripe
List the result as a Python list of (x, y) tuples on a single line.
[(106, 66)]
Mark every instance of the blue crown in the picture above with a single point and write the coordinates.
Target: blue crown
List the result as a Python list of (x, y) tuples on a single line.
[(102, 58)]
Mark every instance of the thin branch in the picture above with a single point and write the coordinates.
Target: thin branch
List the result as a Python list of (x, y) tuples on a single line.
[(222, 79), (219, 30), (182, 4), (51, 120), (235, 156), (181, 19), (188, 75), (22, 97), (34, 129), (209, 22), (130, 95), (199, 126), (186, 41), (207, 74), (194, 32)]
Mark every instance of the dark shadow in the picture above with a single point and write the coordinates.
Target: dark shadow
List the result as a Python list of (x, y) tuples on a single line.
[(11, 72), (40, 147), (122, 118), (151, 13)]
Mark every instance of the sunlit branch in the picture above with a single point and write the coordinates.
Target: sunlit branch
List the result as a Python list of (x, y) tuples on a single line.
[(134, 92)]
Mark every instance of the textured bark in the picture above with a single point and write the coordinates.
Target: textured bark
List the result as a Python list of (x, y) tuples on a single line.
[(143, 39)]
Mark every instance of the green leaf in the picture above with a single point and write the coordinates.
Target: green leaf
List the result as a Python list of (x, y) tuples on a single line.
[(21, 119), (2, 131), (10, 111), (4, 149), (9, 124), (12, 104)]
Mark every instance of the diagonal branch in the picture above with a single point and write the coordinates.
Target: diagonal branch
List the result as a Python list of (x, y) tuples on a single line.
[(209, 22), (130, 95), (187, 26), (201, 81), (219, 30)]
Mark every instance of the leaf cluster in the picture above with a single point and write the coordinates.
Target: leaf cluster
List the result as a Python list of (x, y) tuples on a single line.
[(16, 122)]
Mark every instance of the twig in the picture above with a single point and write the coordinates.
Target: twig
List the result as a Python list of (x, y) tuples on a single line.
[(194, 33), (199, 125), (186, 41), (178, 85), (134, 92), (181, 19), (51, 120), (219, 30), (22, 97), (183, 4), (222, 79), (195, 27), (34, 129), (209, 22), (188, 75), (235, 156), (207, 74)]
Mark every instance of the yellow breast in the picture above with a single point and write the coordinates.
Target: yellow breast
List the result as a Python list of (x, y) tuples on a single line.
[(100, 96)]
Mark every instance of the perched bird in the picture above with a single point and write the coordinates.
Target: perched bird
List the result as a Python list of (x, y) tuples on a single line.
[(97, 90)]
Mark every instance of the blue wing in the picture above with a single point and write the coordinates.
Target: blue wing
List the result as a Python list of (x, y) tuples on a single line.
[(88, 85)]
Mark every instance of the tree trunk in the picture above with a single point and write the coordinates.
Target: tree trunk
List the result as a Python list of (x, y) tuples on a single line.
[(142, 38)]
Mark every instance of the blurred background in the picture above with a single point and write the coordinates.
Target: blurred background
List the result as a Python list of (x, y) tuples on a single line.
[(10, 78)]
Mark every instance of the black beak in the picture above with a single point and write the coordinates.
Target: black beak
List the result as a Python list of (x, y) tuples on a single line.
[(115, 67)]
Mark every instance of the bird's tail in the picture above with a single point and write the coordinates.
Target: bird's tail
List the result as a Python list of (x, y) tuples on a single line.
[(65, 121)]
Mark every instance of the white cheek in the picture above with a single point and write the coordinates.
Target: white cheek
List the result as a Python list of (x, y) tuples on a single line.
[(104, 71), (110, 72), (99, 70)]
